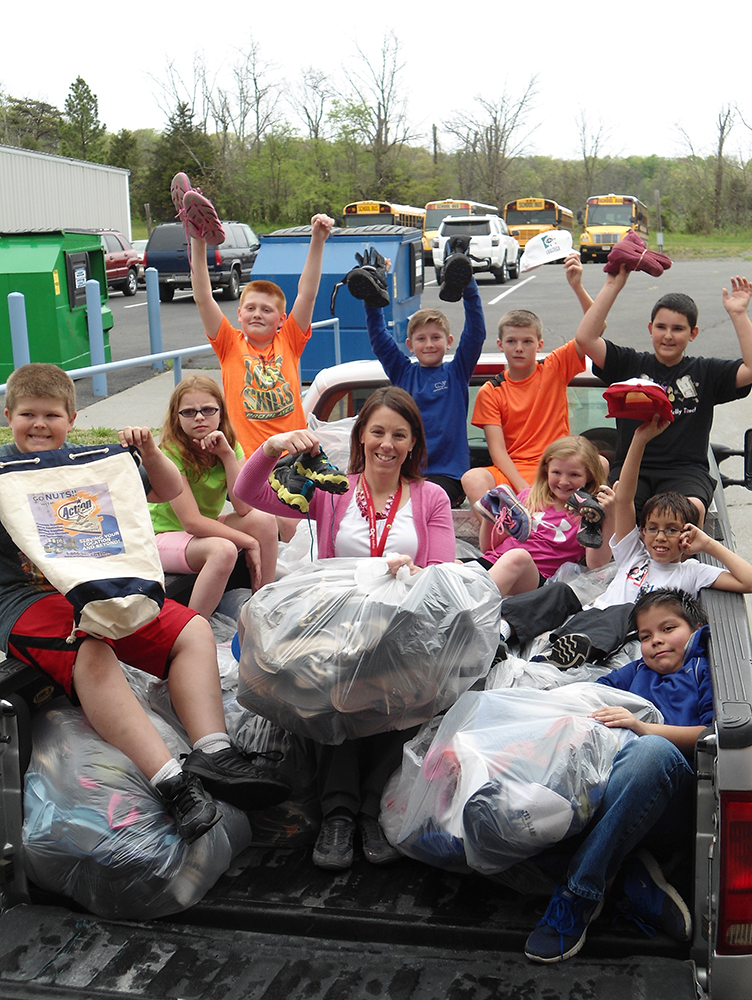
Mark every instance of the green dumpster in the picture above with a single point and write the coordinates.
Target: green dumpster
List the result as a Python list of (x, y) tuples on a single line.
[(51, 269)]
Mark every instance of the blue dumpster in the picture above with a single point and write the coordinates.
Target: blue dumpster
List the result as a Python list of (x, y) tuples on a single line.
[(281, 259)]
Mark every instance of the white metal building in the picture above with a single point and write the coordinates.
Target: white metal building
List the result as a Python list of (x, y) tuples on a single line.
[(42, 192)]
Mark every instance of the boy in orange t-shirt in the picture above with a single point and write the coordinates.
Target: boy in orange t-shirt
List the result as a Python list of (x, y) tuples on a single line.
[(525, 408)]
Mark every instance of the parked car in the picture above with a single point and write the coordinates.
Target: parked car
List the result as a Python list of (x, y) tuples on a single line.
[(140, 247), (490, 241), (122, 261), (229, 264)]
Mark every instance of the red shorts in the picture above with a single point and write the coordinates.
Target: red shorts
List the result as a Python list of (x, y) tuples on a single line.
[(40, 633)]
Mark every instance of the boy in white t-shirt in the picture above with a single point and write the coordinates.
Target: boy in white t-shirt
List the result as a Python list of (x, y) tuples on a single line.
[(655, 554)]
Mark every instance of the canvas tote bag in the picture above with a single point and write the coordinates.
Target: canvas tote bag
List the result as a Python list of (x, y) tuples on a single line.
[(82, 518)]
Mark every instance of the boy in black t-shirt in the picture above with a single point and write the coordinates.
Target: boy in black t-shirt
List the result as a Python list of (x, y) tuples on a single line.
[(679, 459)]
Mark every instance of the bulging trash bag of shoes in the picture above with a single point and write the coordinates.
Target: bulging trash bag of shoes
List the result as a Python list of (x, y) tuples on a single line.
[(96, 831), (507, 774), (345, 650)]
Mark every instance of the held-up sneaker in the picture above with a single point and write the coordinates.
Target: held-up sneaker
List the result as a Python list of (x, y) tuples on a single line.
[(457, 271), (650, 901), (334, 844), (368, 281), (234, 777), (501, 506), (376, 848), (562, 930), (189, 805), (291, 486), (201, 219), (321, 472), (591, 516), (179, 188), (567, 651)]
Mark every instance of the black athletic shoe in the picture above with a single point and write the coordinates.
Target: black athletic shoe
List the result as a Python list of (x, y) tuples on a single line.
[(334, 844), (368, 280), (290, 485), (237, 778), (320, 471), (457, 271), (189, 805), (591, 515), (568, 651)]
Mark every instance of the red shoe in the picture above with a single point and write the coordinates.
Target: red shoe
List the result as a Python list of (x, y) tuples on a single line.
[(178, 190), (201, 219)]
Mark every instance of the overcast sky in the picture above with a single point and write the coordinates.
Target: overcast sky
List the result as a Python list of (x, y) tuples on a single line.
[(641, 69)]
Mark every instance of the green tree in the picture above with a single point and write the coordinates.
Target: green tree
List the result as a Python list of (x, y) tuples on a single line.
[(81, 132), (182, 146), (29, 124)]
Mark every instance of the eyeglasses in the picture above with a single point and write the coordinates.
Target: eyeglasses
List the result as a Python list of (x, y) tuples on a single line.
[(668, 532), (205, 411)]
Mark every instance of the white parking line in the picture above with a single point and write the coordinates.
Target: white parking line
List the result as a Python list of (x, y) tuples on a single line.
[(509, 291), (137, 305)]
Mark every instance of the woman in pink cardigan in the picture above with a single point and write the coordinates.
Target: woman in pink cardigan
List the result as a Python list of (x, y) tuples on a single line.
[(388, 510)]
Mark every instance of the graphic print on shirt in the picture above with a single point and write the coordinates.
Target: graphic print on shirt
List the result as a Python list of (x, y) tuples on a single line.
[(685, 392), (559, 530), (266, 394), (638, 574)]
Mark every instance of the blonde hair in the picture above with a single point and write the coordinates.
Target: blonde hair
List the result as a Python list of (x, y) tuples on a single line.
[(173, 437), (423, 316), (42, 381), (520, 319), (574, 446)]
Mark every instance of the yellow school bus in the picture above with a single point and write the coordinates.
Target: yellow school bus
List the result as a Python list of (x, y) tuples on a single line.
[(437, 210), (607, 218), (530, 216), (382, 213)]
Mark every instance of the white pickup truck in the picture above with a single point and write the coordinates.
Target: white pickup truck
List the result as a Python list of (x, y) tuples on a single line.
[(491, 244)]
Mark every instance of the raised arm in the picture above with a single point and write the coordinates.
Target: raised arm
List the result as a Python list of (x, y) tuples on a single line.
[(573, 272), (624, 514), (736, 305), (210, 313), (738, 574), (308, 286), (589, 336)]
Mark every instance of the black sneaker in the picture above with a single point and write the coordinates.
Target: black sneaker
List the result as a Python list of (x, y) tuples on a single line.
[(236, 778), (290, 486), (591, 516), (376, 848), (319, 470), (651, 902), (189, 805), (567, 651), (334, 844), (457, 271), (368, 281)]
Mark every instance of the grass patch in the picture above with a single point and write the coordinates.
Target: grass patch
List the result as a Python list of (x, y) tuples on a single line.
[(95, 435)]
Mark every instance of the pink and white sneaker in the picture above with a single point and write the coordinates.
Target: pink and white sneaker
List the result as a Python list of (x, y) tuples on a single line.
[(201, 219)]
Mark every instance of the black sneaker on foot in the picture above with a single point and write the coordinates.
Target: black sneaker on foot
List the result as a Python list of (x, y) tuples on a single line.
[(334, 844), (568, 651), (237, 778), (189, 805), (376, 848), (562, 930)]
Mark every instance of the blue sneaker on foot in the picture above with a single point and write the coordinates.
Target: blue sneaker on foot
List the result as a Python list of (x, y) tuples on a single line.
[(561, 931), (651, 902), (501, 506)]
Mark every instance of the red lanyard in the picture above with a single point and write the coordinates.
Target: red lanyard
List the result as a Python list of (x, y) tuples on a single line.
[(377, 548)]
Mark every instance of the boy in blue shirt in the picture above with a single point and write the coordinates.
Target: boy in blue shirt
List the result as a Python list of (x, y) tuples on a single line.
[(439, 387), (648, 798)]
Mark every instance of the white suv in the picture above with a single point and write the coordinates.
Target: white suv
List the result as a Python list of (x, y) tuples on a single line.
[(490, 241)]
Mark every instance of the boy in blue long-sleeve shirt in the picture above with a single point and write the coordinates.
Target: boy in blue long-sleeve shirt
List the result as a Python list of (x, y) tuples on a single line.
[(439, 387)]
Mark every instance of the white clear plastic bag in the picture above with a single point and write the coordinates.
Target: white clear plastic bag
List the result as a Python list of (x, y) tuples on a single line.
[(507, 774), (345, 650), (334, 438)]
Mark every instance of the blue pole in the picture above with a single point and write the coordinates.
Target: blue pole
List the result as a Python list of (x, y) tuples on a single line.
[(96, 334), (155, 319), (19, 334)]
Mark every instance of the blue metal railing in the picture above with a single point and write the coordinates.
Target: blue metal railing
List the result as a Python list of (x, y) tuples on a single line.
[(98, 371)]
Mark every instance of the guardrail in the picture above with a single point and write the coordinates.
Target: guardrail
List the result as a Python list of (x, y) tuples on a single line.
[(98, 371)]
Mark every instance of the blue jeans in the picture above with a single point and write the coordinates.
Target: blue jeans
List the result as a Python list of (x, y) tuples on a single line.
[(648, 775)]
